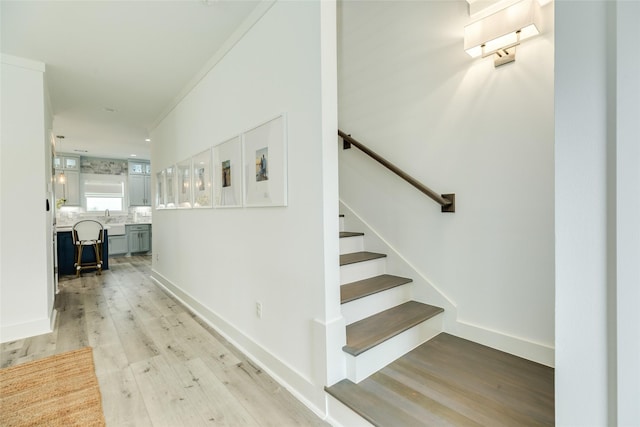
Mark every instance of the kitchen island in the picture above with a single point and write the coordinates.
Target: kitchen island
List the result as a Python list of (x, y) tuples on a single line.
[(66, 254)]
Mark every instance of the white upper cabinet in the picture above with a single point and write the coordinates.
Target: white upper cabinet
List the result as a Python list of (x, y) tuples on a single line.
[(67, 179), (139, 183), (67, 162)]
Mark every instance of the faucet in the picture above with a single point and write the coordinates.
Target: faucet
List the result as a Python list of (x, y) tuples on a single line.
[(106, 214)]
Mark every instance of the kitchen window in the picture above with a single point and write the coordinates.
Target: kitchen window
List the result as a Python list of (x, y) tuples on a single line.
[(103, 192)]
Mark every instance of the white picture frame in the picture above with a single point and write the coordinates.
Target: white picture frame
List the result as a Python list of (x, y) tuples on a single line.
[(160, 202), (170, 187), (264, 152), (227, 170), (202, 179), (183, 187)]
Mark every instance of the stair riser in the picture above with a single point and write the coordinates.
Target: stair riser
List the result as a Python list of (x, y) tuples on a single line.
[(362, 270), (342, 416), (365, 364), (372, 304), (351, 244), (341, 223)]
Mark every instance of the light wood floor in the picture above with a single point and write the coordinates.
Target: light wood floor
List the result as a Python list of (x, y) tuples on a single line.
[(157, 364), (449, 381)]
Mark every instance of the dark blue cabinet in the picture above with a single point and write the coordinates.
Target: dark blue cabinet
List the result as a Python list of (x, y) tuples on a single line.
[(66, 253)]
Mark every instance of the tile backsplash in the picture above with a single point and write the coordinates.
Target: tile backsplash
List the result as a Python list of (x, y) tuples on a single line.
[(70, 215)]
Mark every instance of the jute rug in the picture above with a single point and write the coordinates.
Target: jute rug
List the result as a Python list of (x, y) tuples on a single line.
[(60, 390)]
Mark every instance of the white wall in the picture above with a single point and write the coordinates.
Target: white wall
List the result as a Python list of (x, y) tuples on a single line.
[(222, 261), (628, 212), (25, 242), (597, 211), (409, 91)]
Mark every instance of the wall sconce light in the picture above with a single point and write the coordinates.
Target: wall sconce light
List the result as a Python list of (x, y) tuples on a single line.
[(499, 33)]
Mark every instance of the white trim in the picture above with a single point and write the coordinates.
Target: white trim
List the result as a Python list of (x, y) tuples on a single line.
[(29, 64), (25, 330), (518, 346), (53, 317)]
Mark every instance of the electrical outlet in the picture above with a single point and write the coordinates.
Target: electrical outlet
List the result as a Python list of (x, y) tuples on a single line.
[(259, 309), (157, 257)]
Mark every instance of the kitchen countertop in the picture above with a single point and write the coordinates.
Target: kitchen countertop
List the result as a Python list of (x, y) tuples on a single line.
[(68, 227)]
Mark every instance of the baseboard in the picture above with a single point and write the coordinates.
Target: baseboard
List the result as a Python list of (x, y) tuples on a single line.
[(303, 389), (25, 330), (52, 318), (536, 352)]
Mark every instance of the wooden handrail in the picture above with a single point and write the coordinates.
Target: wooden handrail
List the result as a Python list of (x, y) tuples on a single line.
[(447, 201)]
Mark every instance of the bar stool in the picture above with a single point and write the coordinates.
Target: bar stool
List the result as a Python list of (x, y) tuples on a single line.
[(87, 233)]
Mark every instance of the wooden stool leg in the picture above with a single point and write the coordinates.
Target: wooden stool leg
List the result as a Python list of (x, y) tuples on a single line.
[(79, 261), (96, 249)]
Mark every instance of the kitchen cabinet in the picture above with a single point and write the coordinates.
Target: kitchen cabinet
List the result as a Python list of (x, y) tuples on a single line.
[(139, 237), (67, 162), (138, 167), (67, 186), (139, 190), (139, 183), (67, 179), (118, 245)]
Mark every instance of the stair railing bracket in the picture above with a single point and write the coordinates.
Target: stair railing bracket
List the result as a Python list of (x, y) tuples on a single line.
[(450, 207)]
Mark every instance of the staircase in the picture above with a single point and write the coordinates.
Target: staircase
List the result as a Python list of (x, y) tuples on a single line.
[(404, 371), (383, 323)]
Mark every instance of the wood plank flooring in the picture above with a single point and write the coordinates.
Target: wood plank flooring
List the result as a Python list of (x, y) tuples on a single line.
[(157, 364), (454, 382)]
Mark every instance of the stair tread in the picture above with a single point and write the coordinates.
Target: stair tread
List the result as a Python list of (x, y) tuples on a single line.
[(350, 234), (367, 333), (355, 257), (370, 406), (362, 288)]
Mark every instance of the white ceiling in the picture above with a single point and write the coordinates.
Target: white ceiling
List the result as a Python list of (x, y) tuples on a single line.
[(134, 57)]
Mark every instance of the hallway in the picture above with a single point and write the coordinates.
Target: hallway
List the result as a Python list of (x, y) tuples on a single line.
[(157, 365)]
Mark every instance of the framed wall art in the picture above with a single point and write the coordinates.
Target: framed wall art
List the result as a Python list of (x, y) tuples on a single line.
[(264, 150), (170, 187), (183, 172), (160, 190), (201, 179), (227, 158)]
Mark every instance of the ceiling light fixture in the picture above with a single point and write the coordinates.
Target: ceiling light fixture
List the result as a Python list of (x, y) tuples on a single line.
[(110, 110), (148, 140), (57, 145), (133, 155), (499, 34)]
